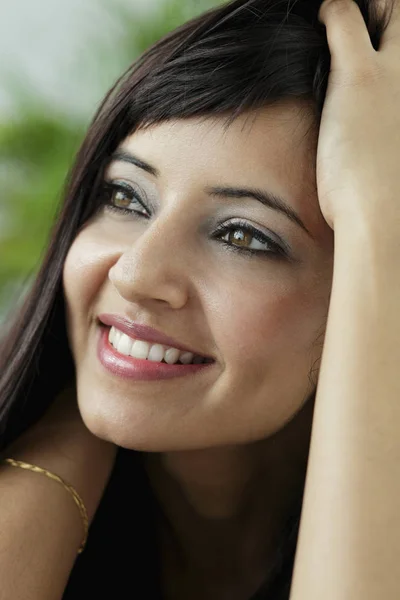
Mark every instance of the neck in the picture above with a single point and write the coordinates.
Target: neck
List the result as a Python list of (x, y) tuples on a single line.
[(223, 510)]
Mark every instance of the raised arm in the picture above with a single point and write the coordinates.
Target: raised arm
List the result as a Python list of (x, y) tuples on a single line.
[(349, 539)]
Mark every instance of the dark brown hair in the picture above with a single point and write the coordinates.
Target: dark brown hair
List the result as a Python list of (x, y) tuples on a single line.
[(241, 56)]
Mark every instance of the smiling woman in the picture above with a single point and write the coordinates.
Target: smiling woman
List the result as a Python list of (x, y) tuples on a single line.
[(171, 257), (178, 317)]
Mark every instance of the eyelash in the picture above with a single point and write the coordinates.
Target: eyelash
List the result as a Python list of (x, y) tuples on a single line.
[(276, 252)]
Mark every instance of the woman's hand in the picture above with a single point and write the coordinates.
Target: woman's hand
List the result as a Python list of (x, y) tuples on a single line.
[(358, 156)]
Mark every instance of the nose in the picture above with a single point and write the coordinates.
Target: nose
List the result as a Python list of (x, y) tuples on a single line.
[(154, 268)]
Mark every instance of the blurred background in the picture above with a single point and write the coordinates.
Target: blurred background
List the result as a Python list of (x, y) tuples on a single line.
[(58, 58)]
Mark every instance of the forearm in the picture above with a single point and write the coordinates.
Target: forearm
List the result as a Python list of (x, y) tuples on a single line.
[(349, 540), (40, 534), (41, 528)]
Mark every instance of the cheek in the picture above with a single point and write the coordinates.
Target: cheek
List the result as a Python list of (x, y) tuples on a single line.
[(85, 274), (262, 324), (80, 275)]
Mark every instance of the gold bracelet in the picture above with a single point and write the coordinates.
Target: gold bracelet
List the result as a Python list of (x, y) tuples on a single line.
[(67, 486)]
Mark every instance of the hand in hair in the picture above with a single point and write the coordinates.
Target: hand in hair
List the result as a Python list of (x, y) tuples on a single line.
[(358, 174), (349, 537)]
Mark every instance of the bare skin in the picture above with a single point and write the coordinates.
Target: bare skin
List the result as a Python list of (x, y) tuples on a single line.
[(226, 452), (37, 554), (222, 533), (349, 542)]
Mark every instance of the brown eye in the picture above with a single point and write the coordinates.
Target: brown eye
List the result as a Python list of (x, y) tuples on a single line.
[(240, 237), (120, 199), (244, 238)]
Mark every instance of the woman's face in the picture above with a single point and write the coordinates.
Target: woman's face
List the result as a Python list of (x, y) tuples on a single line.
[(168, 265)]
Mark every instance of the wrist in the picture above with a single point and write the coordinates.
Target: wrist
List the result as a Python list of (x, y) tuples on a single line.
[(374, 243)]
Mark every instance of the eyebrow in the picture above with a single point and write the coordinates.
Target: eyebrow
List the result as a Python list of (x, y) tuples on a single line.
[(266, 198)]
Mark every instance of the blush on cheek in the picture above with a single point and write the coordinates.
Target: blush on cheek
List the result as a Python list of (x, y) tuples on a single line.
[(260, 327), (86, 269), (83, 278)]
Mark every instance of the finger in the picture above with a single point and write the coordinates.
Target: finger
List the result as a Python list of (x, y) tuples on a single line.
[(348, 38), (391, 37)]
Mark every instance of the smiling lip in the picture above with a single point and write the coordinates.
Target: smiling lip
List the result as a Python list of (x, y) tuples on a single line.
[(138, 369), (144, 333)]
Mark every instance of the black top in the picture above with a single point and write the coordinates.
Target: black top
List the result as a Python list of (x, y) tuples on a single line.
[(121, 557)]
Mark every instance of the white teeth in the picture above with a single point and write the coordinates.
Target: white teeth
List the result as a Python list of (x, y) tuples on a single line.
[(140, 349), (153, 352), (156, 353), (186, 358), (117, 337), (171, 356), (124, 345)]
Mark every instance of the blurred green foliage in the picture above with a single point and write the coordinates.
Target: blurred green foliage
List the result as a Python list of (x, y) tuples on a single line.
[(37, 147)]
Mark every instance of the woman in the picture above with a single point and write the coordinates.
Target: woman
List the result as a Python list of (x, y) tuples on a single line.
[(166, 361)]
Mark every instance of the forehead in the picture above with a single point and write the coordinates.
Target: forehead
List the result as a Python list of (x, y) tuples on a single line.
[(274, 147), (275, 140)]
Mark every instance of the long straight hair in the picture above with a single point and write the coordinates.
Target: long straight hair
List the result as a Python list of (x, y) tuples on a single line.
[(233, 59)]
